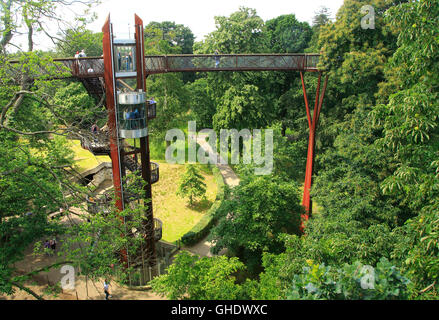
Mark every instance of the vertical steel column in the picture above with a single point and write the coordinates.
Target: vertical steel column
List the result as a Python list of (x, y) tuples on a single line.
[(144, 146), (110, 87), (312, 123)]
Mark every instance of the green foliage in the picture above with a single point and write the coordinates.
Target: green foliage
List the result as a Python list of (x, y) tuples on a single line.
[(202, 228), (241, 32), (80, 39), (321, 17), (172, 98), (376, 173), (259, 210), (367, 190), (96, 246), (351, 282), (237, 97), (33, 18), (419, 249), (192, 278), (30, 170), (346, 36), (241, 108), (418, 43), (274, 282), (168, 37), (192, 184), (202, 105), (286, 34), (408, 122), (75, 106)]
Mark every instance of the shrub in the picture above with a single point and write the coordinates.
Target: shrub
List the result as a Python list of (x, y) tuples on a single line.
[(351, 282)]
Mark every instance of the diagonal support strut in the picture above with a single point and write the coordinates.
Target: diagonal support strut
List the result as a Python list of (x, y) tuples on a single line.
[(312, 124)]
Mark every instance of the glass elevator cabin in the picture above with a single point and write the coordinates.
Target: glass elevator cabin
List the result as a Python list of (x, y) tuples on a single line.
[(125, 57), (131, 109)]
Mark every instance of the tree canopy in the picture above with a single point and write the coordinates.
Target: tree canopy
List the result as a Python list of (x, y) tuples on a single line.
[(376, 174)]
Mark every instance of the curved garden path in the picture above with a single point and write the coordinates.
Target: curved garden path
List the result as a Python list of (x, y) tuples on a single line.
[(202, 248)]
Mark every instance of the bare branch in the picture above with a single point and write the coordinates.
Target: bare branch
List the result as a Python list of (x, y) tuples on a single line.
[(35, 132), (31, 292)]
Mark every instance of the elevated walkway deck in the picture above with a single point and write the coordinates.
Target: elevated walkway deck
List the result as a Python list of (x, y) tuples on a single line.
[(90, 70)]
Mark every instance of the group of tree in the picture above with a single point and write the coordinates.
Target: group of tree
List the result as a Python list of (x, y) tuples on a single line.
[(376, 174), (39, 184), (376, 179)]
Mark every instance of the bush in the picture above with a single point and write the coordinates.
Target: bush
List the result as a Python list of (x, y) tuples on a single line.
[(202, 228), (351, 282)]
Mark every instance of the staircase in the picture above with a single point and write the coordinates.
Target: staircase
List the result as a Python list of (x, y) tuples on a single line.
[(94, 86)]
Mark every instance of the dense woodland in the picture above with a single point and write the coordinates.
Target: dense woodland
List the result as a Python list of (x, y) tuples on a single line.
[(376, 180)]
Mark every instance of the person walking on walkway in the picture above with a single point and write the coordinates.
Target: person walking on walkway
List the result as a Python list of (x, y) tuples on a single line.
[(217, 59)]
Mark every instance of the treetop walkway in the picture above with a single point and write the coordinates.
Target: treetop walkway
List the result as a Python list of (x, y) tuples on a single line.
[(93, 67)]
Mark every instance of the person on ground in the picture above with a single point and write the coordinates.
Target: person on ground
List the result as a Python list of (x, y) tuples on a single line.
[(106, 289), (46, 246), (53, 245)]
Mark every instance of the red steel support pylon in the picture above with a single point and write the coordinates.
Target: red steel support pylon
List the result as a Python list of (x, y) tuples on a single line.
[(110, 86), (144, 146), (116, 150), (312, 124)]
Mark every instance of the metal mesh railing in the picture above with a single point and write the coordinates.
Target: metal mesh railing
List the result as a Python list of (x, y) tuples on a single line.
[(96, 142), (93, 67), (155, 172), (84, 67), (230, 62)]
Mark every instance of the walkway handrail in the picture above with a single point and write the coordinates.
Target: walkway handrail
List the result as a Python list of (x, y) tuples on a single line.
[(93, 67)]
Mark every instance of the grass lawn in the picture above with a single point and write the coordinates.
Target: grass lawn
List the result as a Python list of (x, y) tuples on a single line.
[(84, 159), (174, 211)]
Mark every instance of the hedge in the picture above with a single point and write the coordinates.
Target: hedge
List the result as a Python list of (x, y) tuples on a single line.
[(202, 228)]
